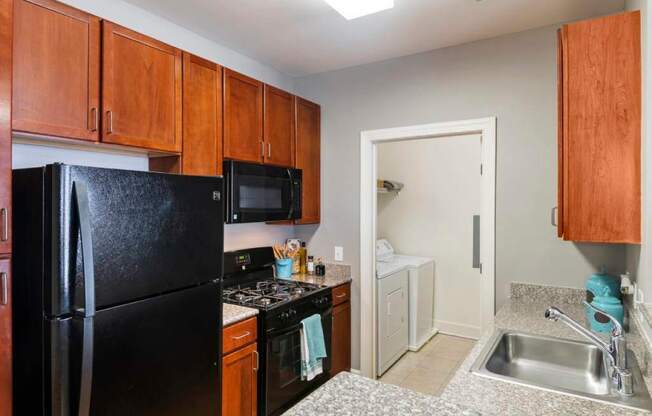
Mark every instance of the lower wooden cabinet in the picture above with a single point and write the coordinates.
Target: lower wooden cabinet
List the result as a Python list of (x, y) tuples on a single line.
[(5, 338), (341, 337), (239, 376)]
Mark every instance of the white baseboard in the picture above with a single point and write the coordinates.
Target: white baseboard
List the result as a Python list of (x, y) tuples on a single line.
[(356, 371), (424, 341), (458, 330)]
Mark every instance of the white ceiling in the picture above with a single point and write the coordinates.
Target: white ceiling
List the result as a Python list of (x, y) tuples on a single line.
[(301, 37)]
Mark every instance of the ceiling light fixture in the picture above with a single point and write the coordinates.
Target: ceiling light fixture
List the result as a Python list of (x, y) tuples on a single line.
[(352, 9)]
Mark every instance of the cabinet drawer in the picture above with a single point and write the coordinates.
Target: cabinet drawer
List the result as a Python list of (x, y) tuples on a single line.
[(238, 335), (341, 294)]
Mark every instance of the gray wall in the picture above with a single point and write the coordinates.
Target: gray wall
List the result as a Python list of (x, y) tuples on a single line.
[(513, 78)]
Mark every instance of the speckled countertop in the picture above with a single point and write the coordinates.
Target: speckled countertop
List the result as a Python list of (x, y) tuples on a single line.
[(336, 275), (351, 395), (234, 313), (524, 312)]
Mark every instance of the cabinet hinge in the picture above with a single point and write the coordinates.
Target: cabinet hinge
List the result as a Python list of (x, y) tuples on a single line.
[(480, 168)]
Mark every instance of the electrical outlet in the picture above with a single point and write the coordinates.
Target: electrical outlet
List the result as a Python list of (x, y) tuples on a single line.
[(339, 253)]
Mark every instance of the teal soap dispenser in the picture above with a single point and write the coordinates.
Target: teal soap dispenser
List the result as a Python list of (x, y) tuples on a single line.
[(602, 284), (609, 304)]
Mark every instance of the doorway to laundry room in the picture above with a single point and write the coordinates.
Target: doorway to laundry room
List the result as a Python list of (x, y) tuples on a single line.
[(430, 298)]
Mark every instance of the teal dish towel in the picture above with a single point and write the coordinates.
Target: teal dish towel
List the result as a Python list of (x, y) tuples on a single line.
[(313, 347)]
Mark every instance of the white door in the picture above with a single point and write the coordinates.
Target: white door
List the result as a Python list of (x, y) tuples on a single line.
[(392, 319), (433, 217)]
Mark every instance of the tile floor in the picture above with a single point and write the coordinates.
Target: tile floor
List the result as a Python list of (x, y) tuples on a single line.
[(430, 369)]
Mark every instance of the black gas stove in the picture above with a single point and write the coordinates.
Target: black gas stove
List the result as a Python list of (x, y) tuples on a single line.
[(282, 304)]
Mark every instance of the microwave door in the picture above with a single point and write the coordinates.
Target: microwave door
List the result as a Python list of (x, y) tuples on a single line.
[(260, 193), (279, 194)]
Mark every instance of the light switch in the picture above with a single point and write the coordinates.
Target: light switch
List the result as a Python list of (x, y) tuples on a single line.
[(339, 253)]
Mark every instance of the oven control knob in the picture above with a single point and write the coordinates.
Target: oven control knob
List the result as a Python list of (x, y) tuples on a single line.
[(284, 316), (292, 312)]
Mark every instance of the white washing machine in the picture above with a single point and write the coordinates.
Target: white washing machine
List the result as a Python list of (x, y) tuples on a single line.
[(421, 290)]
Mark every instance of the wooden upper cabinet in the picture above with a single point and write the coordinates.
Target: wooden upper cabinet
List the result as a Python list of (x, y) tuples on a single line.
[(6, 33), (56, 70), (243, 117), (239, 382), (308, 138), (600, 133), (279, 127), (141, 90), (202, 117)]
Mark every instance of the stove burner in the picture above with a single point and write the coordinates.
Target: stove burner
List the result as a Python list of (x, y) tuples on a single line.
[(267, 293)]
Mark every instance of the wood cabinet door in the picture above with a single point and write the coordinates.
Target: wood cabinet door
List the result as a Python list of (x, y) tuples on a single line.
[(56, 81), (239, 382), (279, 127), (601, 136), (141, 90), (308, 142), (202, 117), (6, 14), (341, 339), (5, 338), (243, 117)]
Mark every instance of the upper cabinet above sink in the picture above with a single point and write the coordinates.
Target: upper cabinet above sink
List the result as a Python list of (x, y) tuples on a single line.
[(599, 137)]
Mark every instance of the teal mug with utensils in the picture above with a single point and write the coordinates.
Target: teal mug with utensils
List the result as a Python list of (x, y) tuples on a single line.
[(284, 268)]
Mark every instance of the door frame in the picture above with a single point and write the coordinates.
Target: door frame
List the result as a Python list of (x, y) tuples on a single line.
[(369, 140)]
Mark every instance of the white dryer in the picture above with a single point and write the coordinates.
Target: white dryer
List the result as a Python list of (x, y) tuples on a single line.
[(421, 290), (392, 311)]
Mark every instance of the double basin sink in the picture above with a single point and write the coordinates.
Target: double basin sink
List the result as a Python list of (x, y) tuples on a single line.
[(564, 366)]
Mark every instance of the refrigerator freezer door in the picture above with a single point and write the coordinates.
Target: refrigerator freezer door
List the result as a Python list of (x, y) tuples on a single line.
[(157, 357), (152, 234)]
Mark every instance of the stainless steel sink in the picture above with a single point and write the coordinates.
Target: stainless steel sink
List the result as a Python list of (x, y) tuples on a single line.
[(559, 365)]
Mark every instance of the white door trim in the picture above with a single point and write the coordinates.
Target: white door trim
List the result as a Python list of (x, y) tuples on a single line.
[(486, 127)]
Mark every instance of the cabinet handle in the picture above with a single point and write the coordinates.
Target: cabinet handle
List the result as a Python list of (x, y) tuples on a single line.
[(246, 334), (553, 216), (4, 299), (109, 121), (269, 150), (94, 116), (5, 224), (341, 295), (262, 148), (255, 353)]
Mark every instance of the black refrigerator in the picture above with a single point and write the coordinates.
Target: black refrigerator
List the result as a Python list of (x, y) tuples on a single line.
[(117, 292)]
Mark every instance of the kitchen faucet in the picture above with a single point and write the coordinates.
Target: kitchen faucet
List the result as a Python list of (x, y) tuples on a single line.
[(616, 349)]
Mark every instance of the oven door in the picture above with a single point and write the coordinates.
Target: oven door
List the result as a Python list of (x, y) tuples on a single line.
[(258, 193), (283, 384)]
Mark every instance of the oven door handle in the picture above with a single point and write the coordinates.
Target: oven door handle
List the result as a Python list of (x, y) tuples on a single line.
[(276, 332)]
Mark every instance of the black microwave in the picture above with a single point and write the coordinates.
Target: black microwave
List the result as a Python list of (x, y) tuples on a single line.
[(258, 193)]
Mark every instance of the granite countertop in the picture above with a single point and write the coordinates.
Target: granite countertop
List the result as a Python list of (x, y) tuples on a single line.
[(524, 312), (336, 275), (347, 394), (234, 313)]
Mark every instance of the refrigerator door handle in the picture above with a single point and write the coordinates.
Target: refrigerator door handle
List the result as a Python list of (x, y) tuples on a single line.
[(85, 312)]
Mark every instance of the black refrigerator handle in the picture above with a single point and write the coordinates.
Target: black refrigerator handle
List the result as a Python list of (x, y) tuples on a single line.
[(85, 312)]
